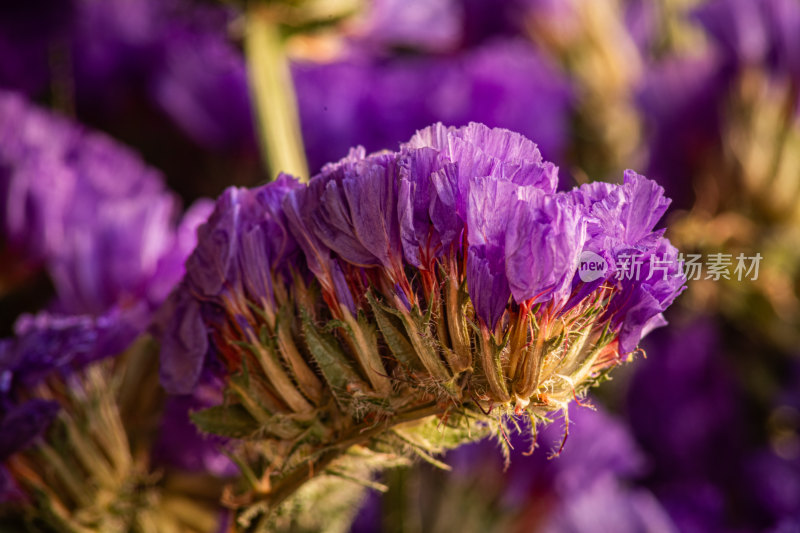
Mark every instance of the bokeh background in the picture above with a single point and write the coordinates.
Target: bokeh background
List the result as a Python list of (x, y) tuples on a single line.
[(702, 434)]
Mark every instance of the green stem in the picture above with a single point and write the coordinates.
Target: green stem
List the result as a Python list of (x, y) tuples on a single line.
[(273, 94), (360, 434)]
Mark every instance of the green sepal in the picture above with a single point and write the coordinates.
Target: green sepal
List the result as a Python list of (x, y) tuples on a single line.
[(391, 329), (419, 335), (332, 362), (256, 390), (227, 421)]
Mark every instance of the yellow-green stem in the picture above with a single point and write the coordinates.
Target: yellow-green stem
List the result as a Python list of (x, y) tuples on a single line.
[(272, 90)]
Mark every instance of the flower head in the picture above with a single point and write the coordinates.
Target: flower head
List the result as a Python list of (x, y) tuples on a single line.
[(441, 278), (47, 352)]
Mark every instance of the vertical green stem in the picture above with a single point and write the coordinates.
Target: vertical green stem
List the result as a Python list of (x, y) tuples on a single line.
[(273, 94)]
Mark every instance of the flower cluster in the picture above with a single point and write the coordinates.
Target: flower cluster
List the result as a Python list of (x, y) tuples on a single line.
[(91, 212), (441, 278), (47, 353), (70, 459), (105, 229)]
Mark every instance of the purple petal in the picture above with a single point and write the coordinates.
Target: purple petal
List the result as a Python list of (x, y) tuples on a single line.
[(184, 341), (544, 239), (487, 285), (209, 266)]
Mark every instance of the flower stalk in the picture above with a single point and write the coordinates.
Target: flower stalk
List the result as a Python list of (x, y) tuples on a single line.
[(272, 91), (437, 285)]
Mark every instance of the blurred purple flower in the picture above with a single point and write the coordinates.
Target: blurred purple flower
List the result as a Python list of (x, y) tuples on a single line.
[(202, 85), (755, 33), (45, 344), (430, 25), (783, 19), (686, 409), (111, 56), (583, 489), (682, 94), (503, 84), (737, 27), (92, 212), (698, 420), (181, 445), (611, 507)]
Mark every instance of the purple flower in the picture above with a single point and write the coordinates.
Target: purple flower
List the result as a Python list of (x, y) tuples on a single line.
[(488, 285), (45, 346), (184, 341), (755, 33), (170, 267), (437, 184), (99, 219), (641, 263), (432, 25), (386, 257), (427, 194), (299, 207), (623, 216), (181, 445), (490, 203), (544, 239), (357, 214), (682, 93), (505, 84), (34, 186), (481, 151), (212, 262), (638, 306), (45, 343), (280, 243), (489, 170), (241, 247)]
